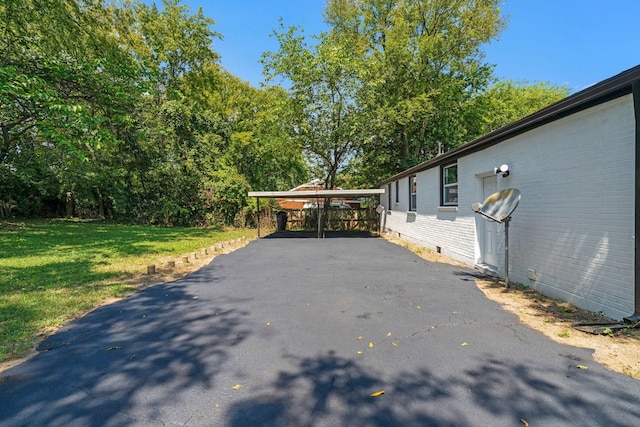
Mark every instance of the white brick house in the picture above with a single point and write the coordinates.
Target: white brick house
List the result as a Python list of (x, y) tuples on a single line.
[(573, 234)]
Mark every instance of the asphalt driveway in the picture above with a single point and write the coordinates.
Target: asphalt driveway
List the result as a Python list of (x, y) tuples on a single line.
[(301, 332)]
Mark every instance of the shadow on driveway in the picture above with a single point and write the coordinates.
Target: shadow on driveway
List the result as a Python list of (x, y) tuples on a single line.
[(301, 332), (126, 359), (331, 390)]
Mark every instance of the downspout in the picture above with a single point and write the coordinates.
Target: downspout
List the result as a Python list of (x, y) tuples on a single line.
[(635, 89)]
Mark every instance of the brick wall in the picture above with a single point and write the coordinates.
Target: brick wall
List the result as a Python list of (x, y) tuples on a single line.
[(575, 223)]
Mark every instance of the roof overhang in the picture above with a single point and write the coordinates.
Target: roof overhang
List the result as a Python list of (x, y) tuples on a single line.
[(317, 194)]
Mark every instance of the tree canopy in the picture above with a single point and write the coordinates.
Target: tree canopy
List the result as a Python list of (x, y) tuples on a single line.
[(413, 76), (121, 109)]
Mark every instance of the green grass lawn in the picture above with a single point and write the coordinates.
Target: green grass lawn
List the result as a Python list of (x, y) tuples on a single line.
[(52, 271)]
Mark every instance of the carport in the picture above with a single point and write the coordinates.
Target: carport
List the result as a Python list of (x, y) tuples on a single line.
[(313, 194)]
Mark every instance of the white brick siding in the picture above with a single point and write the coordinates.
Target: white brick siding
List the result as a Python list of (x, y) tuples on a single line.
[(575, 223)]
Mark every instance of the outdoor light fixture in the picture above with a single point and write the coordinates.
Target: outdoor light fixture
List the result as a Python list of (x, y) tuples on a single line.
[(504, 170)]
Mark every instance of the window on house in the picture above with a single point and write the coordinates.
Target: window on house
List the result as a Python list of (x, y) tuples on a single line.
[(413, 187), (450, 185), (389, 196), (397, 191)]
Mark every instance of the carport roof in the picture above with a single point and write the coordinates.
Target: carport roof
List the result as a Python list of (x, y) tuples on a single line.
[(318, 194)]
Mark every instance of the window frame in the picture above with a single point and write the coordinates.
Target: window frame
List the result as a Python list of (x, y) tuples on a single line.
[(413, 193), (444, 185)]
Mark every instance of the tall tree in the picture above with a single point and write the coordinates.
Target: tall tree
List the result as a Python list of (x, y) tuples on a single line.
[(60, 70), (421, 61), (262, 145), (324, 84), (204, 137), (172, 40), (506, 101), (64, 86), (173, 45)]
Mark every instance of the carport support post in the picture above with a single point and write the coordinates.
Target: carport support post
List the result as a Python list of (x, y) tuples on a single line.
[(258, 209), (318, 207)]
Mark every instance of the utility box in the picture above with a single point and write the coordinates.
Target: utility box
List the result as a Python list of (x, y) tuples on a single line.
[(281, 221)]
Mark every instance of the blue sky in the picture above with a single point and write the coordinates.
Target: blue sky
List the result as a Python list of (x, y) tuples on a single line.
[(575, 43)]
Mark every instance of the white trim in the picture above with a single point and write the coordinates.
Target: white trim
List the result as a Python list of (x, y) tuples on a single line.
[(317, 193), (447, 209), (446, 186)]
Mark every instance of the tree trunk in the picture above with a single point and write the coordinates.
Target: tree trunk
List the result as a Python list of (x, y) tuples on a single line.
[(100, 205), (325, 214), (69, 205)]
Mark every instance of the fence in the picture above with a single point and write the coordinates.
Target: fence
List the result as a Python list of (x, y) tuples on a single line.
[(339, 219)]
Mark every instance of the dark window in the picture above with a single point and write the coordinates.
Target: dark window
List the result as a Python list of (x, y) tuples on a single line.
[(450, 185), (397, 191), (389, 195)]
